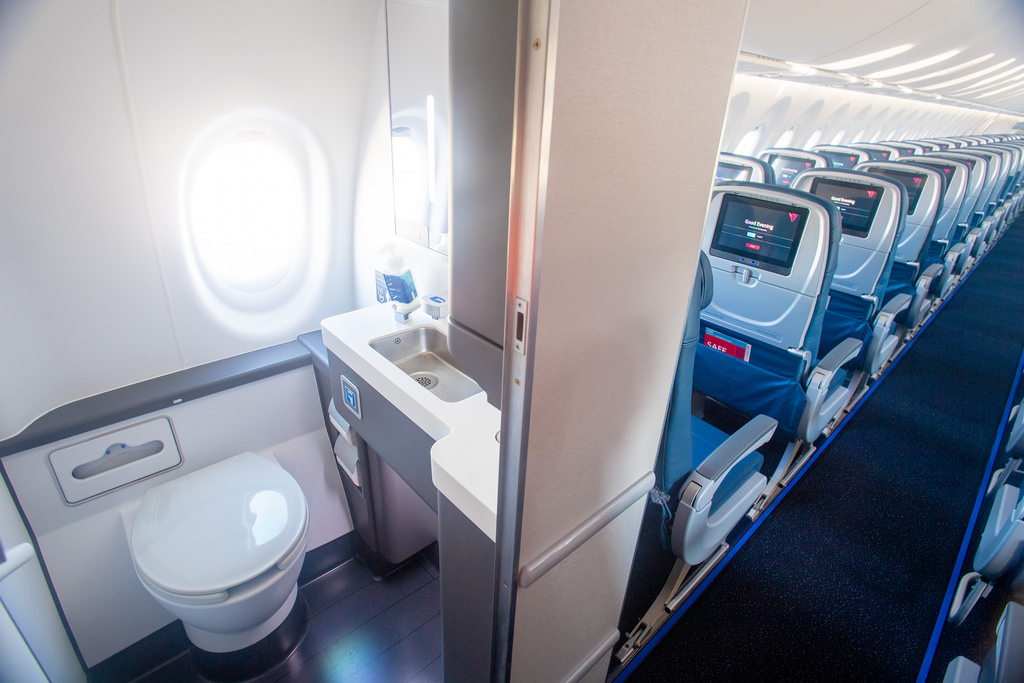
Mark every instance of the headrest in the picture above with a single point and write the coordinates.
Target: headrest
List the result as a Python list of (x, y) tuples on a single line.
[(705, 280)]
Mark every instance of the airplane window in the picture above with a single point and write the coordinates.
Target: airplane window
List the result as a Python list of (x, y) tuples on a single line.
[(255, 218), (786, 138), (814, 139), (247, 213), (749, 143)]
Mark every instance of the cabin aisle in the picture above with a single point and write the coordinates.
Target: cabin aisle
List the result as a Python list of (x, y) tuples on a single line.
[(845, 580)]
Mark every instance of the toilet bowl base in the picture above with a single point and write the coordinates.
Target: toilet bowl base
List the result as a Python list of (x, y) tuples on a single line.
[(252, 660)]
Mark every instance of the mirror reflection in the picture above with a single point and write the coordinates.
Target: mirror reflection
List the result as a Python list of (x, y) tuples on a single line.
[(418, 72)]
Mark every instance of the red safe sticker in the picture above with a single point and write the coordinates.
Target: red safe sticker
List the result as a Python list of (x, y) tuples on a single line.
[(726, 344)]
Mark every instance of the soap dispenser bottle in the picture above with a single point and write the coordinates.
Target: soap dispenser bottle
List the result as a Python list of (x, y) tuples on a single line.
[(396, 279)]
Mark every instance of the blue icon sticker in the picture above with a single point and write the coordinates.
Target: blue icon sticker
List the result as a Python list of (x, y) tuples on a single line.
[(350, 395)]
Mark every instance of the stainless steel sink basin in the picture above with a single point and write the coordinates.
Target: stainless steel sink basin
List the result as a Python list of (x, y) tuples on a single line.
[(422, 353)]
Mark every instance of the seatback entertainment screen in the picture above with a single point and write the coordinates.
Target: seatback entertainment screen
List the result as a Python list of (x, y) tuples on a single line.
[(787, 167), (840, 159), (914, 183), (857, 203), (878, 154), (727, 171), (759, 233)]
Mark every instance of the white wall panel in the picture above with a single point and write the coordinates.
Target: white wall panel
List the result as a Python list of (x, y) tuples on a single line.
[(777, 105), (188, 64), (99, 103), (81, 297)]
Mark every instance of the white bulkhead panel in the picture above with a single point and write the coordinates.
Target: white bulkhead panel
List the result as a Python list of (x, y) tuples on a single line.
[(101, 106)]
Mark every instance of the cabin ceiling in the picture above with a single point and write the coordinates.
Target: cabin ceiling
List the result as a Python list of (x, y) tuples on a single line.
[(966, 52)]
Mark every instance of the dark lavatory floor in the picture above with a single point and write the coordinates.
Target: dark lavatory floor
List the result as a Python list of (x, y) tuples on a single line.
[(359, 629)]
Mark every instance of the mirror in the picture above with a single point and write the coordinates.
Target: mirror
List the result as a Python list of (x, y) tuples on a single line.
[(420, 150)]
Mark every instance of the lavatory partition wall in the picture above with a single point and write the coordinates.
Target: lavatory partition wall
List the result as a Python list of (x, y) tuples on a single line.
[(618, 117)]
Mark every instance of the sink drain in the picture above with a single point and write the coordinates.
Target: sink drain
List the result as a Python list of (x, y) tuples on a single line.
[(427, 380)]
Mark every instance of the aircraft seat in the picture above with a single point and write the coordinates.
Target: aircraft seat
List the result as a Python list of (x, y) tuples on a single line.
[(916, 271), (715, 478), (873, 216), (743, 168), (786, 162), (878, 151), (841, 156), (773, 253), (1005, 661), (969, 218), (905, 147), (711, 479), (1000, 553), (947, 240)]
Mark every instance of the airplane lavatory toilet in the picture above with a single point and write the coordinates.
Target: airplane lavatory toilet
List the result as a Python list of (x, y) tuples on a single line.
[(221, 549)]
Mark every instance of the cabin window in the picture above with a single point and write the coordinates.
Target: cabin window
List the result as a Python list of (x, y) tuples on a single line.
[(750, 142), (815, 138), (254, 211), (247, 214), (786, 139)]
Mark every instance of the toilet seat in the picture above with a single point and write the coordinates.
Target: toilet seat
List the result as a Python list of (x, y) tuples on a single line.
[(218, 527)]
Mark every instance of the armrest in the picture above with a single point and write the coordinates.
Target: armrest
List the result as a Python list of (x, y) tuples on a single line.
[(823, 404), (883, 341), (696, 532), (1015, 442), (922, 296), (958, 256), (972, 240), (842, 354), (896, 305), (962, 670), (741, 444), (931, 272), (949, 262)]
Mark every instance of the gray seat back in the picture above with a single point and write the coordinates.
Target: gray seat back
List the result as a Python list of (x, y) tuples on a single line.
[(878, 151), (871, 208), (772, 254), (736, 167), (906, 148), (992, 176), (841, 156), (924, 199), (956, 174), (787, 162), (977, 171)]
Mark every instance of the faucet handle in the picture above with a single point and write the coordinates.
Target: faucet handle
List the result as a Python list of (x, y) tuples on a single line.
[(436, 305)]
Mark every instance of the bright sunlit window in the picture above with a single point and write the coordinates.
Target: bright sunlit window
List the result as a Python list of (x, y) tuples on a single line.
[(255, 210), (815, 138), (749, 142), (786, 139), (248, 213)]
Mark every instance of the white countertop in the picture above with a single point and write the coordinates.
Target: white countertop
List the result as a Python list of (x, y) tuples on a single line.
[(464, 459)]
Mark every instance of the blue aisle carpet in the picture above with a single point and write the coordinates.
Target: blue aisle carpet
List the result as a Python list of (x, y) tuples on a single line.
[(845, 580)]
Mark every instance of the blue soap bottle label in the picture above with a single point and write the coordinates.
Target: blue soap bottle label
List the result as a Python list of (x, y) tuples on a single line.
[(401, 287), (382, 287)]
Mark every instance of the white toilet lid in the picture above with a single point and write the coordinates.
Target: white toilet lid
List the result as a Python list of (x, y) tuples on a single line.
[(219, 526)]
